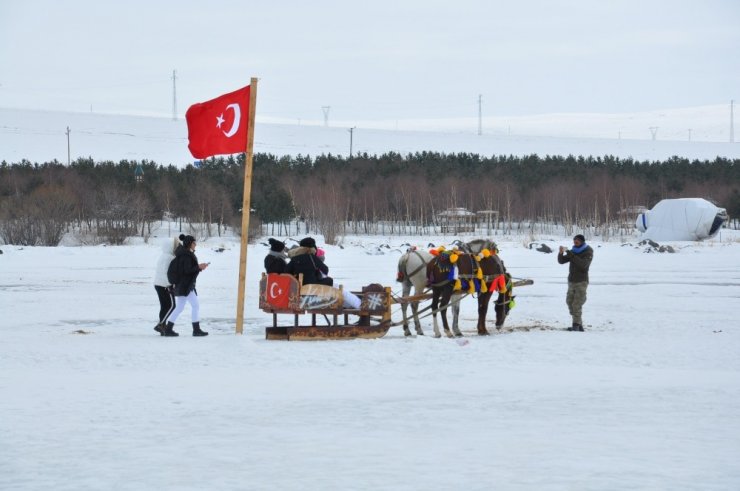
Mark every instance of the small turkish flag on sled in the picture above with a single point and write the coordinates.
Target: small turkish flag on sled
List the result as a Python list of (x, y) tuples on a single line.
[(219, 126), (278, 290)]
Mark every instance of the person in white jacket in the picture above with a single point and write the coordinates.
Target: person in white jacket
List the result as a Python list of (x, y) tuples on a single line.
[(163, 287)]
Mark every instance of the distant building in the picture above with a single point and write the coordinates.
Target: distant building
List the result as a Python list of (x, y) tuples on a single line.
[(456, 220)]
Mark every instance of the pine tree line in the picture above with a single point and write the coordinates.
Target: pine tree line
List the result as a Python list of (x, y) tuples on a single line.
[(332, 195)]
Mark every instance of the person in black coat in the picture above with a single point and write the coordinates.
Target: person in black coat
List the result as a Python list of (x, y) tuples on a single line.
[(188, 269), (303, 260), (276, 259)]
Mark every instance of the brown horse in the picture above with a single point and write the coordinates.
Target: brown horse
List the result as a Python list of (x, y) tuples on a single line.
[(493, 273), (495, 277), (440, 271)]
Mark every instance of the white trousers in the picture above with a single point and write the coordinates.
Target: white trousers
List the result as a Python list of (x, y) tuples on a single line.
[(192, 299)]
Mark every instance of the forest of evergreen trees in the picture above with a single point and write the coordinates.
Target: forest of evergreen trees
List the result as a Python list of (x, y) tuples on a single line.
[(103, 201)]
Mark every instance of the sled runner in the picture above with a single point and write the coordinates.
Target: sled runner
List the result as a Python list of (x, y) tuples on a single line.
[(284, 294)]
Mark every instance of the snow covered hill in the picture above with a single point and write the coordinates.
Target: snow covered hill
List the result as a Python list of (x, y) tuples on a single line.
[(41, 136)]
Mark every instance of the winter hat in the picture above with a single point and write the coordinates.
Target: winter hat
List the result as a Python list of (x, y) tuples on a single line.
[(187, 239), (580, 237), (276, 245), (320, 253), (308, 242)]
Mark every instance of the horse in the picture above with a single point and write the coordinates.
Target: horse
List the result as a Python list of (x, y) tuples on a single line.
[(412, 271), (441, 276), (493, 274), (418, 268)]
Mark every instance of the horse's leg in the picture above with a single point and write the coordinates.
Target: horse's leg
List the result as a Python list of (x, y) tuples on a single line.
[(435, 302), (501, 308), (417, 323), (456, 314), (404, 306), (483, 301), (445, 302), (415, 310)]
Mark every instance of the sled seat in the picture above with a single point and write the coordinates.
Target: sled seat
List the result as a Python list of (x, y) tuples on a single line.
[(284, 294)]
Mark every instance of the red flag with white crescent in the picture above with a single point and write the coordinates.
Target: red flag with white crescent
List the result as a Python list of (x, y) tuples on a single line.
[(219, 126)]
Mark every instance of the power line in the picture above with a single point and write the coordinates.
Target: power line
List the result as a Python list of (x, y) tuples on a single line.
[(174, 95), (326, 114), (480, 114), (69, 159)]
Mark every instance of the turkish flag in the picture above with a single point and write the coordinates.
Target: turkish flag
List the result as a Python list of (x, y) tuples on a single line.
[(278, 290), (219, 126)]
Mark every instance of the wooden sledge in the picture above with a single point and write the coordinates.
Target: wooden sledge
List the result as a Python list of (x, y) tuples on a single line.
[(284, 294)]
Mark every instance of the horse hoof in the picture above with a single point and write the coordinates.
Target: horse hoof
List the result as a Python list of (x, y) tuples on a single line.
[(484, 333), (407, 333), (437, 336), (499, 327), (419, 333), (459, 335)]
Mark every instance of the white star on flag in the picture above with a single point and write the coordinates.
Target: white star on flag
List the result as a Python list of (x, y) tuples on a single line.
[(219, 120)]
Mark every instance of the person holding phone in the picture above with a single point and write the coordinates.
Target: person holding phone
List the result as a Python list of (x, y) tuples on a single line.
[(579, 257), (188, 270)]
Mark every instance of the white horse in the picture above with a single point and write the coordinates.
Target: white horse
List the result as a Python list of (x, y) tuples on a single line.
[(412, 271)]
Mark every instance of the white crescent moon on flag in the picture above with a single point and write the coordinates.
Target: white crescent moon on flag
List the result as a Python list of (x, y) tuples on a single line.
[(272, 291), (237, 120)]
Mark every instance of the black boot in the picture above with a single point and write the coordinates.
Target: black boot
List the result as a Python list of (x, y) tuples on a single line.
[(159, 328), (197, 331), (168, 330)]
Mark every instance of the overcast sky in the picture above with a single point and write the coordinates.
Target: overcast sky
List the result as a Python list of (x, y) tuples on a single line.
[(371, 60)]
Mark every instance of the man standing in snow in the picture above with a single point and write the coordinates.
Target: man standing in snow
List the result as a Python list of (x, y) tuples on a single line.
[(579, 257)]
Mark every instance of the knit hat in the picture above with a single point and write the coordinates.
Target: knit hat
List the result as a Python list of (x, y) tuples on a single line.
[(307, 242), (187, 239), (580, 237), (276, 245)]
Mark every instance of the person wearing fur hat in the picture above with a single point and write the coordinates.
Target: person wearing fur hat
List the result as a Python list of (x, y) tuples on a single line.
[(188, 270), (165, 290), (579, 257), (303, 260), (276, 259)]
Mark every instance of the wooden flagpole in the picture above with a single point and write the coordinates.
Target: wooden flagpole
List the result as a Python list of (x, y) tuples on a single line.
[(246, 207)]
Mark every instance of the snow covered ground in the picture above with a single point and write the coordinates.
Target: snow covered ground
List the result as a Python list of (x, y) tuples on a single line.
[(646, 398), (41, 136)]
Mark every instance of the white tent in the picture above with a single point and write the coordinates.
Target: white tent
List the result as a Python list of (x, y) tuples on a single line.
[(681, 219)]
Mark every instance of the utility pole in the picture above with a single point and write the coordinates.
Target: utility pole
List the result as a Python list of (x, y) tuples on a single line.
[(732, 121), (480, 114), (351, 130), (174, 95), (69, 160), (654, 131), (326, 114), (689, 134)]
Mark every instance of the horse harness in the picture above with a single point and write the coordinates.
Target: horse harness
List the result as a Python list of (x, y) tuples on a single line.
[(418, 268)]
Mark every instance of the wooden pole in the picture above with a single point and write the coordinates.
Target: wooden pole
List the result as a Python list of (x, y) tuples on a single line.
[(246, 207)]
